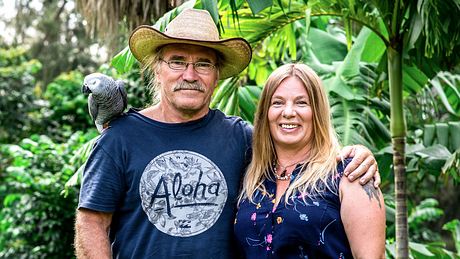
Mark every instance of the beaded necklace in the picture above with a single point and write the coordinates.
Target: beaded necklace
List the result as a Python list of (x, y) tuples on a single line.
[(283, 176)]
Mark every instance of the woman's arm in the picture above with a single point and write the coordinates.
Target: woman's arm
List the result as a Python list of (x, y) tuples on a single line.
[(363, 216)]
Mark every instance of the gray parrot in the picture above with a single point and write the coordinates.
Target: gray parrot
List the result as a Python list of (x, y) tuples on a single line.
[(107, 98)]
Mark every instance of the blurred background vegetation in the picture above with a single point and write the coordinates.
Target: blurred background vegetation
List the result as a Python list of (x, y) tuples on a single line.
[(47, 46)]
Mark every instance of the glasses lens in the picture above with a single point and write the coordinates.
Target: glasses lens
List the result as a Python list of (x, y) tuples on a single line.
[(203, 67), (177, 64), (200, 67)]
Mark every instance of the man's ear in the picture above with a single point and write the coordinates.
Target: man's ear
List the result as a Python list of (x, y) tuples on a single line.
[(217, 79)]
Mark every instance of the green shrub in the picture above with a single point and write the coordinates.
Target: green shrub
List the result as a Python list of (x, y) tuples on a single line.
[(67, 106), (17, 94), (36, 220)]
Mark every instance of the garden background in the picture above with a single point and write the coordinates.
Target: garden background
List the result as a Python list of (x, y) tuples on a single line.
[(391, 69)]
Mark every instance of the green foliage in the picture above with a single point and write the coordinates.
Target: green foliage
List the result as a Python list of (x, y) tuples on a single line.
[(78, 160), (124, 60), (447, 88), (426, 211), (436, 101), (425, 241), (17, 95), (66, 104), (55, 35), (36, 220), (441, 33), (454, 227)]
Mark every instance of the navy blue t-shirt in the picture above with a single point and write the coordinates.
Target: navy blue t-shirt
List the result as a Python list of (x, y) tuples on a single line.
[(172, 187), (310, 228)]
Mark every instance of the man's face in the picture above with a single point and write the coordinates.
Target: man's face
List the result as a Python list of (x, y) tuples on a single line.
[(187, 92)]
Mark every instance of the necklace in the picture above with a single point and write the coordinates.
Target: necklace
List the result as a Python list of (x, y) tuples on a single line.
[(283, 176)]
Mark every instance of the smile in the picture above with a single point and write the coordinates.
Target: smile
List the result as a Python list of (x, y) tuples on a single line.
[(289, 126)]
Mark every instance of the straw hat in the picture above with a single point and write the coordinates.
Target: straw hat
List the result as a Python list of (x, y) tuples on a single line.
[(195, 27)]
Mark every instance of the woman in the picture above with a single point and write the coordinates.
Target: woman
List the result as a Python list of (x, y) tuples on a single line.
[(295, 201)]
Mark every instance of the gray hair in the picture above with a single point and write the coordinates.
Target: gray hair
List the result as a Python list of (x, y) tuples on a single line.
[(150, 67)]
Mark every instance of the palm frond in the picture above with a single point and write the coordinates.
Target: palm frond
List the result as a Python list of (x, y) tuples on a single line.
[(104, 16), (440, 27)]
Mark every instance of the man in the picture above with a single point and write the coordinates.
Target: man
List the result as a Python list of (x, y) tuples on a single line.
[(163, 182)]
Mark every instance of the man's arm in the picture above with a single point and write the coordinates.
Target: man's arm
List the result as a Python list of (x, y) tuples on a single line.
[(363, 164), (91, 234)]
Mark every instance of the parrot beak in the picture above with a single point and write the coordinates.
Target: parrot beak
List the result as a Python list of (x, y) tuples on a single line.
[(85, 89)]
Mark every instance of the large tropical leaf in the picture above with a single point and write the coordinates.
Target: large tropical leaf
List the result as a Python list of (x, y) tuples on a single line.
[(349, 69), (447, 87), (256, 28), (326, 47)]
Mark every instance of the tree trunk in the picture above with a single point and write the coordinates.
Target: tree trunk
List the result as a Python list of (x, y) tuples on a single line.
[(398, 133)]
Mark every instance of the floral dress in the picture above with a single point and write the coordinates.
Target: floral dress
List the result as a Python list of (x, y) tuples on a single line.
[(307, 227)]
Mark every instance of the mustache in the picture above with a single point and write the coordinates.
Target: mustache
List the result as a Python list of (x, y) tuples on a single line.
[(188, 86)]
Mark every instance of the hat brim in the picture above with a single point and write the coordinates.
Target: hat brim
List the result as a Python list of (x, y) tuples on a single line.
[(235, 52)]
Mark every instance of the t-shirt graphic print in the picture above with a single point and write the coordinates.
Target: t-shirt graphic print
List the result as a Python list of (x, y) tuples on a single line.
[(183, 193)]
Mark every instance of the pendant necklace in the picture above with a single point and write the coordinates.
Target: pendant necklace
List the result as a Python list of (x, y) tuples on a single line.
[(283, 176)]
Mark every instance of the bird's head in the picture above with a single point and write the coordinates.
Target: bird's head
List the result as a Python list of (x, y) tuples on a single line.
[(95, 83)]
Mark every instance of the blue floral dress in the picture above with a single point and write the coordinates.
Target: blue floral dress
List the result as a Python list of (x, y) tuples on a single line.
[(304, 228)]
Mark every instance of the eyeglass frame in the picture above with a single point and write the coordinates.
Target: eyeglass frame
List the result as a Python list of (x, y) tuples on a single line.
[(206, 72)]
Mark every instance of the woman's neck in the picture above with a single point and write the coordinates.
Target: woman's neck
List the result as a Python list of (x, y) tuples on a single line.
[(287, 156)]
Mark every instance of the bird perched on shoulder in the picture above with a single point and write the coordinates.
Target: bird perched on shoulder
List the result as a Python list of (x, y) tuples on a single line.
[(107, 98)]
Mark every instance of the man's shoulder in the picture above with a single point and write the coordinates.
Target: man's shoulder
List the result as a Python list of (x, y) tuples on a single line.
[(121, 124), (232, 121), (122, 120)]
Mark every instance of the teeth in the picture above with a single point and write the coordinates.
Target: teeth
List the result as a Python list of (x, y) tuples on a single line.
[(288, 126)]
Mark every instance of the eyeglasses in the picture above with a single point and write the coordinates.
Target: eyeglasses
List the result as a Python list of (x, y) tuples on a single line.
[(201, 67)]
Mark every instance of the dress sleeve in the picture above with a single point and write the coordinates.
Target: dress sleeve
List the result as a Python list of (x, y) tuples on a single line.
[(342, 165)]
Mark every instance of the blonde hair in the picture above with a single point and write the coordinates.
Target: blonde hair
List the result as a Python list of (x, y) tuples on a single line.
[(314, 175)]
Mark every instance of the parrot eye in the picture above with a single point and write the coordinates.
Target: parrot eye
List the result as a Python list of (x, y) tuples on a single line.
[(95, 81)]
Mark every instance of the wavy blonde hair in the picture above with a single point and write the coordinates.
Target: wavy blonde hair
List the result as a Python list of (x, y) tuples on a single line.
[(324, 144)]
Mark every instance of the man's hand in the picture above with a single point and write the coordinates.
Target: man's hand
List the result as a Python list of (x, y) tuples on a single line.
[(363, 164)]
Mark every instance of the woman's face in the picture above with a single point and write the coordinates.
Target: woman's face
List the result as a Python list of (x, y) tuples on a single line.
[(290, 115)]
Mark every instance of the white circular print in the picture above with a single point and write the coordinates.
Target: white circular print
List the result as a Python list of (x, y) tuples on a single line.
[(183, 193)]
